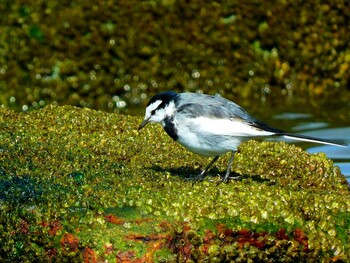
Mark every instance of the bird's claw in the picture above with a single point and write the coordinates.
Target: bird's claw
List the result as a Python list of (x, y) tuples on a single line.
[(197, 178), (200, 178), (228, 178)]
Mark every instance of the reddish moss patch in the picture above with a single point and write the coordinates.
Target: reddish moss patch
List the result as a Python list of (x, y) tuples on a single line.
[(229, 244), (69, 242), (126, 257), (53, 227), (114, 220), (89, 255)]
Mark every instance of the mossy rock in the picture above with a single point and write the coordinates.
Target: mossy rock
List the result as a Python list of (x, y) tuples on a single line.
[(84, 185)]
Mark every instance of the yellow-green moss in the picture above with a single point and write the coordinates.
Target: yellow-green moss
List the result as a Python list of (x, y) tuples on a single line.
[(71, 174)]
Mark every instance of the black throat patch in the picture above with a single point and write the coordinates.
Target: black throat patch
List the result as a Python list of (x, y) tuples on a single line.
[(170, 128)]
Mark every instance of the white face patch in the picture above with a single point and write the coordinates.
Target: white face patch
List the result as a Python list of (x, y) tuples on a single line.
[(151, 108), (170, 108), (158, 115)]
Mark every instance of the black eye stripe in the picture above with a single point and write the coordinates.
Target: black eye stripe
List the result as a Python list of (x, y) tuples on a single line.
[(165, 98), (160, 106)]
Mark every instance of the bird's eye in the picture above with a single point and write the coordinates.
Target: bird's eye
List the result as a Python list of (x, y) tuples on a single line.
[(153, 112)]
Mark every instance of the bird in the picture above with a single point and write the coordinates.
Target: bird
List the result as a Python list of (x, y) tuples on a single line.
[(211, 125)]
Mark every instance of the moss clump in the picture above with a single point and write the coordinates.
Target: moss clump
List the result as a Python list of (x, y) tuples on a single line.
[(79, 184), (289, 166)]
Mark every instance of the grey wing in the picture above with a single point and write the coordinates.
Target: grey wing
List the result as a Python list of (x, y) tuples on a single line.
[(234, 125), (213, 105), (196, 110)]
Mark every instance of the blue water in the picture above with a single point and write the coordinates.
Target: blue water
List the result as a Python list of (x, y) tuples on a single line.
[(304, 124)]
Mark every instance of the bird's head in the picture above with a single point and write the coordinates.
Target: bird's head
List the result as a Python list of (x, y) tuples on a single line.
[(159, 107)]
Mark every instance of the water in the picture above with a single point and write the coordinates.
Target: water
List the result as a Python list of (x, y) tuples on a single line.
[(304, 124)]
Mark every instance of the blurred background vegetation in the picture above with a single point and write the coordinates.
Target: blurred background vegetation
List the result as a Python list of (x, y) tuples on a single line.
[(114, 55)]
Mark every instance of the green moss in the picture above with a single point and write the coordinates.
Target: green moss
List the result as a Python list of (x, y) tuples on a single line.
[(77, 183)]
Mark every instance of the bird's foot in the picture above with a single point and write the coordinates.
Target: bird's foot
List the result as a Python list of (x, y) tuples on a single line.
[(200, 177), (228, 178), (197, 178)]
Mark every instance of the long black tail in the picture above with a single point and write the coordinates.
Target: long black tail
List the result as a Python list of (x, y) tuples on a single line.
[(305, 138), (297, 137)]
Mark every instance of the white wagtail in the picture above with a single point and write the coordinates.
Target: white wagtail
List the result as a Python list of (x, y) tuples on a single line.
[(210, 125)]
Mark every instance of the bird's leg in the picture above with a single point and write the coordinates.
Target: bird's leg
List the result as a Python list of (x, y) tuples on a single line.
[(203, 172), (228, 171)]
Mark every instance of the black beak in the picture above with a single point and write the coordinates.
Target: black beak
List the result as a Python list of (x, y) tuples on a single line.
[(143, 124)]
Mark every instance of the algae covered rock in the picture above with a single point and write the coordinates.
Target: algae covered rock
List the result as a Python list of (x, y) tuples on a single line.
[(84, 185)]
